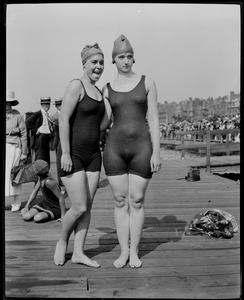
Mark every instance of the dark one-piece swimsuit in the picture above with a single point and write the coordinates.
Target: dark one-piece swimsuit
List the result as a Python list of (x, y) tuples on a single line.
[(84, 136), (128, 147)]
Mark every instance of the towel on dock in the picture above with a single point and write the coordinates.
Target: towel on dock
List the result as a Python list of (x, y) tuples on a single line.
[(214, 222)]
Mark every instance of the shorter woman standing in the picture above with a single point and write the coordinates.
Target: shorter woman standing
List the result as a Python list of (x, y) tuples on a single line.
[(16, 148), (78, 155)]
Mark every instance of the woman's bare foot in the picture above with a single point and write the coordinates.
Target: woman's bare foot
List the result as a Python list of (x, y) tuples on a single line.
[(122, 260), (59, 255), (134, 260), (83, 259)]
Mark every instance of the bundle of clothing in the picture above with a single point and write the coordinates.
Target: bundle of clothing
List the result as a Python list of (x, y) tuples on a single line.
[(216, 223)]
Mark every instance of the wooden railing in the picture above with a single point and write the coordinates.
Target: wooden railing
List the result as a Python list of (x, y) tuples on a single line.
[(207, 141)]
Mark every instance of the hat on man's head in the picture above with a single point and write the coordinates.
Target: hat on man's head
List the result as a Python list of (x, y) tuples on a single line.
[(58, 101), (121, 45), (90, 50), (45, 100), (40, 167), (10, 98)]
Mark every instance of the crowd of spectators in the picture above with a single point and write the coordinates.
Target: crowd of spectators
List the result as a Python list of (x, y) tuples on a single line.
[(171, 130)]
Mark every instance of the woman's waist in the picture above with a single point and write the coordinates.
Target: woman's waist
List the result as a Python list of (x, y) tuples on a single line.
[(13, 134), (13, 139), (128, 137), (134, 130), (87, 141)]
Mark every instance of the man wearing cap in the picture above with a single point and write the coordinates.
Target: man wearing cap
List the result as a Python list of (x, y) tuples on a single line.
[(41, 130)]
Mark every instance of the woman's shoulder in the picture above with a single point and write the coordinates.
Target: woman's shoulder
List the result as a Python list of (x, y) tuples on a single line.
[(76, 83), (105, 87), (149, 83), (17, 114), (148, 79)]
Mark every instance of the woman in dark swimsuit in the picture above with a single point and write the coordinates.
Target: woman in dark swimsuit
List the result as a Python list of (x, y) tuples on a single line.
[(132, 150), (78, 156)]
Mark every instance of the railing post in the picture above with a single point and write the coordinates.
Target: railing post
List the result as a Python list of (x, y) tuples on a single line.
[(182, 145), (227, 144), (208, 152)]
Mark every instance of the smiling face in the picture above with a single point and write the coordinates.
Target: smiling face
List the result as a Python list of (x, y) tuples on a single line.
[(94, 67), (124, 62)]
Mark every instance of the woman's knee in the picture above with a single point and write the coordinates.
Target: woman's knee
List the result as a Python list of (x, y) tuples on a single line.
[(27, 217), (79, 210), (136, 200), (40, 218), (50, 183), (120, 200)]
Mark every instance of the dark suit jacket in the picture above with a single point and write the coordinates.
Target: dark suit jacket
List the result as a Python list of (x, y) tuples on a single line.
[(33, 122)]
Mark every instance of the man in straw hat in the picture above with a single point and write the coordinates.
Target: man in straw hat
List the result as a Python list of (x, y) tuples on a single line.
[(41, 130), (16, 147)]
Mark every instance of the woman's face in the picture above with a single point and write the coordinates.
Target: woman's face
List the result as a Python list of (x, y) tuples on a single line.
[(94, 67), (8, 106), (124, 62)]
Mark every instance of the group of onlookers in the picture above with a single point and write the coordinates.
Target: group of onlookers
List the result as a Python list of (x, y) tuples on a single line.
[(30, 138), (170, 131)]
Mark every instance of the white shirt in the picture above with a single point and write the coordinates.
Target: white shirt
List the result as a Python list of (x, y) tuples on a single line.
[(44, 128)]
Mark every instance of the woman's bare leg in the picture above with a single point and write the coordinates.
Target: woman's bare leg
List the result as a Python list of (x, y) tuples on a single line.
[(76, 186), (119, 185), (29, 215), (137, 191), (84, 222)]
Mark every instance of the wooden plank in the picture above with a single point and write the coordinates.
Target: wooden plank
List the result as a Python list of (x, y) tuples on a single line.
[(174, 265)]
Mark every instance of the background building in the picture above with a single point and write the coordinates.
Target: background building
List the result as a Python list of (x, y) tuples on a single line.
[(199, 109)]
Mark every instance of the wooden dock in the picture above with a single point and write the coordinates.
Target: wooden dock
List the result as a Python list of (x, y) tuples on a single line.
[(174, 265)]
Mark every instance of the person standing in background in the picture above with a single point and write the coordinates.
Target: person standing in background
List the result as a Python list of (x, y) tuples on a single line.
[(41, 130), (56, 138), (16, 147)]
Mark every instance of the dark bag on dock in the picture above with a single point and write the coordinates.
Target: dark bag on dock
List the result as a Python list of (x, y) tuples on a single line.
[(23, 173), (193, 175), (215, 223)]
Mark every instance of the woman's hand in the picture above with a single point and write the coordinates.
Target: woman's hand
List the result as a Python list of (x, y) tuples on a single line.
[(155, 163), (23, 211), (23, 156), (66, 162)]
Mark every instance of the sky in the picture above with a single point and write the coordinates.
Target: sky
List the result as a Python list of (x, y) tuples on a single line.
[(189, 50)]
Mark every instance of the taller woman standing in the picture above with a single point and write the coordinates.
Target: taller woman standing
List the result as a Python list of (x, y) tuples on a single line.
[(132, 150), (78, 154)]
